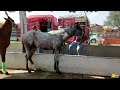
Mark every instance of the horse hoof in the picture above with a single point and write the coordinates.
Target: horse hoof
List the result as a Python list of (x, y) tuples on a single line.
[(1, 72), (29, 71), (6, 73), (35, 71), (57, 71)]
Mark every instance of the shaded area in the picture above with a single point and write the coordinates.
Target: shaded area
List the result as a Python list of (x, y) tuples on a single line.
[(23, 74)]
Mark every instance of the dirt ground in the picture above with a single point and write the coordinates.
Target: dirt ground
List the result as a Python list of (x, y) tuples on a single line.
[(23, 74)]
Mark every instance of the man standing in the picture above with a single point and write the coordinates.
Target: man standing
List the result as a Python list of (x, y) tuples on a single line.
[(79, 42), (35, 28), (49, 25)]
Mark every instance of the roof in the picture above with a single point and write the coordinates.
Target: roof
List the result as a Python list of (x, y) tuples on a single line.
[(94, 25), (37, 17), (32, 18)]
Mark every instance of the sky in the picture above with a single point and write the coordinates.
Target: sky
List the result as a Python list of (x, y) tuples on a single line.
[(95, 17)]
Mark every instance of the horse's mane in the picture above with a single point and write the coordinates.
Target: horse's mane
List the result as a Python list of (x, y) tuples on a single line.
[(61, 31), (57, 31), (4, 25)]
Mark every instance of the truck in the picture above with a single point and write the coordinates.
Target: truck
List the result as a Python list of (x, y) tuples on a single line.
[(112, 37)]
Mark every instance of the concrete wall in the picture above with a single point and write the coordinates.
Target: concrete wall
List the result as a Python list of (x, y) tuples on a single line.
[(101, 51), (68, 63)]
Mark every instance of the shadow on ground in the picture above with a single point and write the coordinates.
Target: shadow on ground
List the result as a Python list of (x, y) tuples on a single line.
[(17, 74)]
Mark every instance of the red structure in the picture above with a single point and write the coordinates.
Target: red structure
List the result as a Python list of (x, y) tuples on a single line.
[(66, 22), (38, 20)]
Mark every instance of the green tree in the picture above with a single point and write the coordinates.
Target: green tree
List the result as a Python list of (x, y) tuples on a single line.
[(113, 19)]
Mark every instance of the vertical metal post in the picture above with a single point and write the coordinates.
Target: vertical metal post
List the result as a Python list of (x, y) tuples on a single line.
[(23, 24)]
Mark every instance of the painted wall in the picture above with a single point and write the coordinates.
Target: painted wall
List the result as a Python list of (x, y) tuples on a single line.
[(68, 63), (101, 51)]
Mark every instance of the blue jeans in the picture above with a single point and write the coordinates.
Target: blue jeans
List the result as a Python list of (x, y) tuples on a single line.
[(74, 44), (48, 29), (40, 50)]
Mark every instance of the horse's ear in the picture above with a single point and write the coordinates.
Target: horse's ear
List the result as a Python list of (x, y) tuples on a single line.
[(9, 17), (75, 24), (5, 18), (6, 13)]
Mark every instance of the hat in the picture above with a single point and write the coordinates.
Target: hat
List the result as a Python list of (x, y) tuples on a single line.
[(34, 27)]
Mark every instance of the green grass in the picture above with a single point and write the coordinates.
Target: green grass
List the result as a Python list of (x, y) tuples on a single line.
[(15, 42)]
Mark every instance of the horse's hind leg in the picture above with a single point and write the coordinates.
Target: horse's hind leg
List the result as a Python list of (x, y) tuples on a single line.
[(27, 63), (54, 51), (28, 57), (4, 71), (56, 62)]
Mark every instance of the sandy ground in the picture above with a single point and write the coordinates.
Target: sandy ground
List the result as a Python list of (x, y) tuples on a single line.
[(23, 74)]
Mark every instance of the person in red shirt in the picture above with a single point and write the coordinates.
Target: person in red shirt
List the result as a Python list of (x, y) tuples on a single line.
[(49, 22), (35, 28), (77, 41)]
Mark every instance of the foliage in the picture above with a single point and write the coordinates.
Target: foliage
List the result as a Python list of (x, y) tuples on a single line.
[(113, 19)]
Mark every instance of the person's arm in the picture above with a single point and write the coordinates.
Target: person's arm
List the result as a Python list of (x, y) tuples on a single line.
[(83, 39), (74, 38)]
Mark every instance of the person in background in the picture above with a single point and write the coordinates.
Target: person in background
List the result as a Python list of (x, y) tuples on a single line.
[(79, 42), (60, 27), (44, 19), (35, 28), (49, 25)]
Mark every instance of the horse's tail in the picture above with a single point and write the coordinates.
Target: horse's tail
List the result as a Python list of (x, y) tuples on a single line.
[(23, 47)]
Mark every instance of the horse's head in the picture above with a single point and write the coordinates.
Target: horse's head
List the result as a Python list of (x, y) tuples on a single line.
[(10, 20), (78, 30)]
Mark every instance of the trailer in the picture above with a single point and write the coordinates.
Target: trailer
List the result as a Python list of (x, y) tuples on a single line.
[(36, 20)]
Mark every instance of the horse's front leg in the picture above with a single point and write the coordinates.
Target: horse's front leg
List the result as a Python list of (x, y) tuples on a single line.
[(56, 62), (27, 64), (4, 71)]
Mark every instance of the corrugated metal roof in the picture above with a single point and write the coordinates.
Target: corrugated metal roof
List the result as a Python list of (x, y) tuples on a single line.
[(38, 17)]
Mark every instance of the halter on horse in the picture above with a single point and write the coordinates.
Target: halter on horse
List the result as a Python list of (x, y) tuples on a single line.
[(35, 39), (5, 34)]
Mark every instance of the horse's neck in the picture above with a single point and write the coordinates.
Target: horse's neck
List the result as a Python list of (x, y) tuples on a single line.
[(65, 37), (7, 28), (67, 34), (57, 31)]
